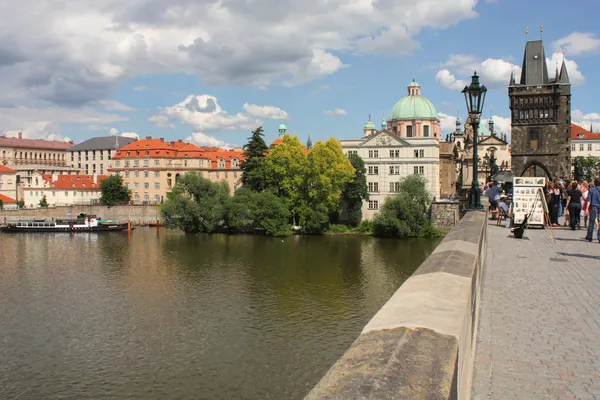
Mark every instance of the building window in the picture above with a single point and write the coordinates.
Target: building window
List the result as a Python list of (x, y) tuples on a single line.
[(127, 185), (373, 170), (352, 152), (581, 147), (156, 162), (373, 186), (185, 163), (416, 170), (156, 198), (146, 174), (426, 130), (136, 185), (136, 197), (126, 174), (136, 174), (234, 163), (373, 153), (146, 185), (394, 186), (156, 185), (136, 163), (221, 163), (395, 170), (117, 163), (373, 205), (146, 163), (589, 147), (66, 194), (572, 147), (409, 131), (421, 170), (126, 163)]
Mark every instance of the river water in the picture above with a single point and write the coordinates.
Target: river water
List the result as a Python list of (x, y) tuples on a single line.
[(164, 315)]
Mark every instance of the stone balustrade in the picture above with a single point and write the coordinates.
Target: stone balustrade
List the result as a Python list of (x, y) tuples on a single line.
[(420, 345)]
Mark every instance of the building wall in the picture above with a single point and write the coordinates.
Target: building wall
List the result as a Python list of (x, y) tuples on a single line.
[(91, 162), (8, 184), (150, 179), (584, 148), (378, 161), (59, 197), (26, 161), (554, 151)]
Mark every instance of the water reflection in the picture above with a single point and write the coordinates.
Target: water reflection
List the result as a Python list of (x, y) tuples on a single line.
[(169, 315)]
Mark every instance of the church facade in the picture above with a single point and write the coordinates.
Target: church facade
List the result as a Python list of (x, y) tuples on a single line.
[(407, 143), (540, 117)]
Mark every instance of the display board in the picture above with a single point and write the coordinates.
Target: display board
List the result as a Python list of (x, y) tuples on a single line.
[(527, 196)]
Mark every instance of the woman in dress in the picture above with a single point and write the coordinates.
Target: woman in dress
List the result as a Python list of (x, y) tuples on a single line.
[(553, 200), (584, 196)]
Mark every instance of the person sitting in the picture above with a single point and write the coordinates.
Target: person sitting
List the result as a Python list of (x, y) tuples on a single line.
[(502, 204)]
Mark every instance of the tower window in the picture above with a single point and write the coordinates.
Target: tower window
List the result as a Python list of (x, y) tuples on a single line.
[(409, 131), (535, 140), (426, 131)]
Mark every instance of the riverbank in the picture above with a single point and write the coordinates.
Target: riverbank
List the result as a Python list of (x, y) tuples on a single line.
[(138, 214)]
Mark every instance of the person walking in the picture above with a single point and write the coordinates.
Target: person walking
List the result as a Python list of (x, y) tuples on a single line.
[(553, 201), (584, 193), (593, 207), (574, 206)]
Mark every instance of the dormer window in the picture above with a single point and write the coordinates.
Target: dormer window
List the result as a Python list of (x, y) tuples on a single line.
[(147, 152), (128, 153)]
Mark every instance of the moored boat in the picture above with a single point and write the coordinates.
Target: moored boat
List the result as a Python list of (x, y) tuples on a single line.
[(82, 223)]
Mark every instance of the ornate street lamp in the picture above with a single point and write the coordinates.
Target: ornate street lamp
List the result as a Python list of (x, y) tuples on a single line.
[(475, 97)]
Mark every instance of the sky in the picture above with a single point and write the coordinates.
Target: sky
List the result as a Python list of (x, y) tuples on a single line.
[(210, 71)]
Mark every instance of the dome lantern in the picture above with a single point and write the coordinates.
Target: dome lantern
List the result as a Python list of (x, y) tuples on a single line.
[(282, 129), (414, 106)]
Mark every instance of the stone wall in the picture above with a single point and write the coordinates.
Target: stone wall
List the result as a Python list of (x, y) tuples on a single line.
[(420, 345), (137, 213), (445, 214)]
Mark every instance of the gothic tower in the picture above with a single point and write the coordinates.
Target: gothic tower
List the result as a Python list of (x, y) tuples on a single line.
[(540, 117)]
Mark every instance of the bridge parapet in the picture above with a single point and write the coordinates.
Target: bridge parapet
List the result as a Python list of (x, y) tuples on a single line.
[(420, 345)]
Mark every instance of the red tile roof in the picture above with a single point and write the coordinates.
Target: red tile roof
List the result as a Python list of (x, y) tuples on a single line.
[(7, 170), (146, 148), (6, 199), (79, 182), (34, 143), (579, 133)]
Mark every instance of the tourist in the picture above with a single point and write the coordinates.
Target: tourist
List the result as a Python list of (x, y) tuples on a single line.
[(502, 204), (574, 206), (593, 206), (584, 195), (553, 201)]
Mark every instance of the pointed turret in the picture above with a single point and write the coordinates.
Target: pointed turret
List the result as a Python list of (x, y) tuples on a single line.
[(512, 78), (308, 143), (282, 129), (534, 71), (491, 124), (563, 77), (383, 121)]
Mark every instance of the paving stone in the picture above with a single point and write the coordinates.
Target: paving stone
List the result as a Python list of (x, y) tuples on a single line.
[(539, 327)]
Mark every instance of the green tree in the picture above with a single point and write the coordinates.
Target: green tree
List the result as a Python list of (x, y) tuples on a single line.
[(20, 203), (271, 214), (195, 204), (113, 191), (405, 215), (329, 170), (1, 204), (586, 168), (285, 172), (253, 175), (239, 213), (44, 202), (356, 190), (314, 218)]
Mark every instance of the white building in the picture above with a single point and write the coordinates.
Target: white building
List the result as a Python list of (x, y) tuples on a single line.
[(8, 187), (408, 143), (94, 155), (584, 143), (62, 190)]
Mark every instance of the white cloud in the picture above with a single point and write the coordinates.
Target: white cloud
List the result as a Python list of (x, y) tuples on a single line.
[(577, 43), (142, 88), (203, 113), (266, 112), (113, 105), (445, 78), (41, 122), (575, 75), (501, 124), (115, 132), (335, 111), (200, 139), (81, 50), (586, 121), (447, 122)]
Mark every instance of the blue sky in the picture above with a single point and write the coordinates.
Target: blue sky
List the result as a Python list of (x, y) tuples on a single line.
[(210, 71)]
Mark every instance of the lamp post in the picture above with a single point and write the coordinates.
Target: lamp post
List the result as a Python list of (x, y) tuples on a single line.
[(475, 97)]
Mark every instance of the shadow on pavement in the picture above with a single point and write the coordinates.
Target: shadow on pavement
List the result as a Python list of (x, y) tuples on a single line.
[(579, 255)]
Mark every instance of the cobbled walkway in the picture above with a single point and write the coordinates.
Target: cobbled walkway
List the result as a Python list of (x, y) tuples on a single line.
[(539, 329)]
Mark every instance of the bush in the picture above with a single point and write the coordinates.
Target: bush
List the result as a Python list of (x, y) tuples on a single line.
[(314, 219), (271, 214), (339, 228), (365, 226)]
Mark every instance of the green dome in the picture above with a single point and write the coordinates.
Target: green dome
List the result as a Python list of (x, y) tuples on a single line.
[(282, 127), (413, 106), (370, 126)]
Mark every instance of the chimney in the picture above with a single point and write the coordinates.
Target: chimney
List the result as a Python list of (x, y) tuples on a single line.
[(54, 176), (180, 140), (148, 137), (20, 135), (95, 179), (162, 139)]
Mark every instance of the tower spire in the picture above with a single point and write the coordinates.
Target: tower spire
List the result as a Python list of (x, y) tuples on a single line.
[(541, 32), (383, 121), (526, 33), (308, 143)]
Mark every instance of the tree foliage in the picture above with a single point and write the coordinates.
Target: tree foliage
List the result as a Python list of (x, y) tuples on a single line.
[(253, 175), (314, 218), (285, 171), (329, 170), (113, 191), (405, 215), (44, 202), (586, 168), (356, 190), (195, 204), (271, 214)]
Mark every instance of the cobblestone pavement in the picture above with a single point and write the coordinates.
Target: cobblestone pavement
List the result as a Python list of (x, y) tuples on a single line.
[(539, 332)]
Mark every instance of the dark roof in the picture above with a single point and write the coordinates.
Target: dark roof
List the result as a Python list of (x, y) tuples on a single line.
[(103, 143), (34, 143), (534, 71)]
